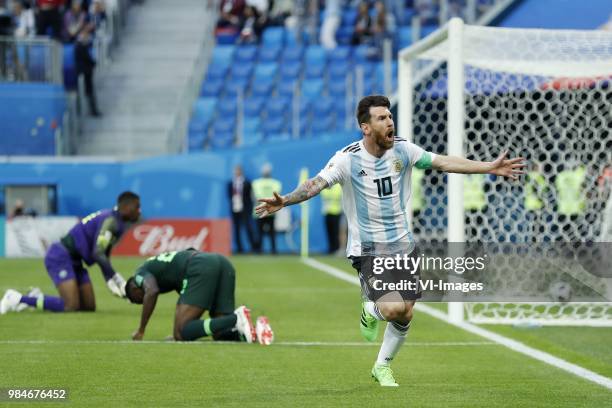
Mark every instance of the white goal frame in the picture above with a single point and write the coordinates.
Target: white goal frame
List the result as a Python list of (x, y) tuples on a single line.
[(453, 33)]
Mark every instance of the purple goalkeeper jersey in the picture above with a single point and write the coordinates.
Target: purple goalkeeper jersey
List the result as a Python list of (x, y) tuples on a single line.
[(93, 238)]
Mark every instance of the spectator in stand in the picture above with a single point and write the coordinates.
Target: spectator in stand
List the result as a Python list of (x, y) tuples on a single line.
[(262, 9), (23, 16), (98, 13), (49, 17), (85, 65), (280, 11), (74, 21), (330, 25), (362, 34), (248, 32), (18, 209), (383, 26), (427, 11), (231, 13)]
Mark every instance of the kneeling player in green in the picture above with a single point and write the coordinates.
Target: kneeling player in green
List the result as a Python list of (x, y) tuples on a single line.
[(205, 282)]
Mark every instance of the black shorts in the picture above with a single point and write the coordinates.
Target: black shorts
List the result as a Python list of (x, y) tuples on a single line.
[(375, 283)]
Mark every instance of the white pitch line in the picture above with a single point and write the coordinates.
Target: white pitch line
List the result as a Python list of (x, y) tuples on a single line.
[(279, 343), (471, 328)]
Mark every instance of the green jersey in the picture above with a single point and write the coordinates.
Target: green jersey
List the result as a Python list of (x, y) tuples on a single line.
[(168, 269)]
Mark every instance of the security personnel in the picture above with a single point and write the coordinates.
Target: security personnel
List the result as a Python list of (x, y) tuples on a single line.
[(535, 187), (474, 202), (332, 210), (570, 195), (264, 187), (536, 190), (571, 203)]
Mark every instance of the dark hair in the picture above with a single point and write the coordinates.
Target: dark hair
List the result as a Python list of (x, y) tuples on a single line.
[(126, 197), (363, 109), (130, 282)]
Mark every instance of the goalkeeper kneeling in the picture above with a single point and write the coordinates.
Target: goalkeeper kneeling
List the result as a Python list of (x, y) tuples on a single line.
[(205, 282)]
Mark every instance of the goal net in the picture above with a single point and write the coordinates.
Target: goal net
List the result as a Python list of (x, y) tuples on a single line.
[(544, 95)]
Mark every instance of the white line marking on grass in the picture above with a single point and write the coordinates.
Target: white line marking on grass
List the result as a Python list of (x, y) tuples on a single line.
[(471, 328), (279, 343)]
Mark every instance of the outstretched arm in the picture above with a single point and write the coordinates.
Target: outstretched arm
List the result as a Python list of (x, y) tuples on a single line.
[(151, 291), (306, 190), (501, 166)]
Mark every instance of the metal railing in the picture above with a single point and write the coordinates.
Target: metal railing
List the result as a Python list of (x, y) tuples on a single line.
[(37, 59)]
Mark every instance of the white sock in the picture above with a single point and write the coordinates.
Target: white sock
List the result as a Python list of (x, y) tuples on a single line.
[(372, 309), (395, 335)]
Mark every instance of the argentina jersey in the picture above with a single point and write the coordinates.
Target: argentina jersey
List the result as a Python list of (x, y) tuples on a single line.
[(375, 193)]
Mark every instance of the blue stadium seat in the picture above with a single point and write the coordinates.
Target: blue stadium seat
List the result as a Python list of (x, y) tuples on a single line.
[(273, 36), (227, 108), (204, 108), (324, 106), (195, 143), (278, 137), (314, 70), (306, 107), (221, 139), (226, 37), (198, 127), (322, 124), (246, 53), (242, 70), (293, 53), (363, 53), (265, 71), (344, 36), (312, 88), (279, 107), (349, 16), (428, 29), (196, 135), (262, 87), (315, 54), (290, 69), (216, 71), (337, 88), (223, 55), (338, 70), (291, 38), (269, 53), (223, 125), (340, 54), (274, 125), (252, 139), (253, 105), (251, 124), (404, 37), (368, 68), (408, 14), (235, 86), (212, 87), (286, 87)]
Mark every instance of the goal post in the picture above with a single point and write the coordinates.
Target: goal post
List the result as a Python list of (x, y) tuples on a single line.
[(476, 91)]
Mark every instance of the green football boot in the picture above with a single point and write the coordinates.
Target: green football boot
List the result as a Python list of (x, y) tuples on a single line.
[(383, 374), (368, 325)]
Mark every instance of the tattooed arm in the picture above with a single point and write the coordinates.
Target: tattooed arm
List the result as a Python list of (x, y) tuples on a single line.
[(306, 190)]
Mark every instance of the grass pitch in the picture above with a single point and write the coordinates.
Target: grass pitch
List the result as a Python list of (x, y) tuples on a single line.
[(318, 359)]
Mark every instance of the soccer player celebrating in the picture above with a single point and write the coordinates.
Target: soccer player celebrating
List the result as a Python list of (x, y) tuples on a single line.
[(375, 175), (90, 241), (205, 281)]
